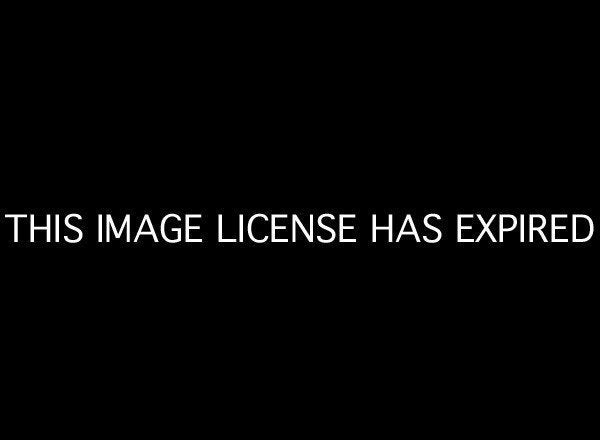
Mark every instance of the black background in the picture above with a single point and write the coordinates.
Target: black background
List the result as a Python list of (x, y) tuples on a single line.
[(386, 112)]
